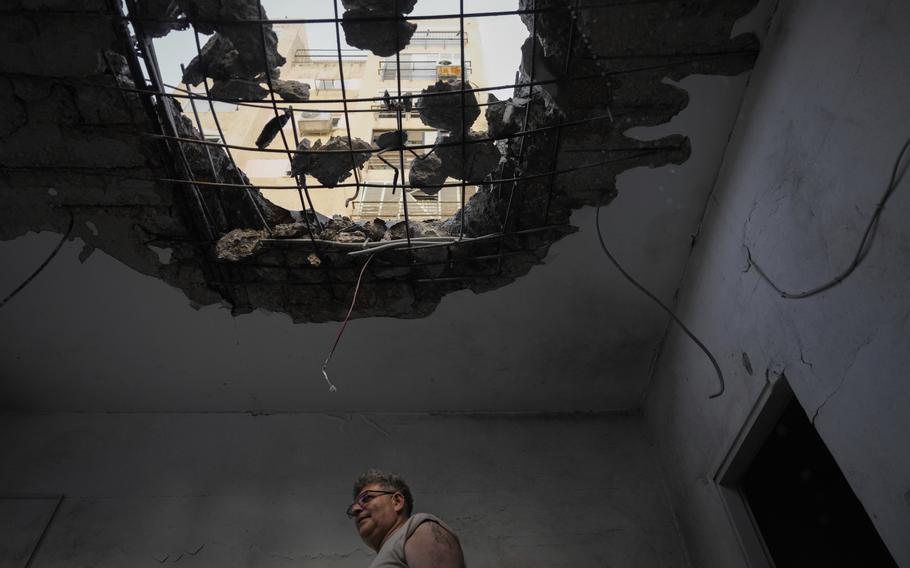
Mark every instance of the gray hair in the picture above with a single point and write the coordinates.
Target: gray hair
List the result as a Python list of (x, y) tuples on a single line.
[(390, 481)]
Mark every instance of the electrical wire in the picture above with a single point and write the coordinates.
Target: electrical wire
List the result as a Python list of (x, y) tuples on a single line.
[(20, 287), (864, 245), (344, 324), (646, 292)]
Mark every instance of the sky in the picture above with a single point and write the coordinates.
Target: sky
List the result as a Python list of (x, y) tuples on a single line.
[(501, 36)]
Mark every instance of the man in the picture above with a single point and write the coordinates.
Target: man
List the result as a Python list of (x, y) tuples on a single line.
[(382, 514)]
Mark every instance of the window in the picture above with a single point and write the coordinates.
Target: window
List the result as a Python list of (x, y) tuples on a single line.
[(336, 84), (446, 39)]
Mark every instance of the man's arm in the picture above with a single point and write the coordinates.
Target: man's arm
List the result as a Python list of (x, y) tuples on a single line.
[(432, 546)]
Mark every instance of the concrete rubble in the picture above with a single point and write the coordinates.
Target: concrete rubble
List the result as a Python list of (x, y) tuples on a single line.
[(444, 112), (291, 91), (150, 10), (300, 164), (392, 140), (404, 6), (504, 118), (234, 90), (383, 37), (239, 244), (471, 161), (330, 163), (427, 174), (236, 50), (271, 129)]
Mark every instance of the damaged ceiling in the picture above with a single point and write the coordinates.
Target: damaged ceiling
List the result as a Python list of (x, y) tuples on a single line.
[(637, 120)]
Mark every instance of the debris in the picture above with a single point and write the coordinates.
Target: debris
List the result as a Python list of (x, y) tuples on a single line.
[(239, 244), (217, 59), (237, 90), (392, 140), (404, 6), (398, 230), (250, 56), (300, 163), (289, 230), (331, 163), (427, 174), (444, 112), (351, 237), (313, 259), (365, 28), (337, 225), (374, 229), (271, 129), (469, 162), (207, 15), (151, 10), (504, 118), (291, 91)]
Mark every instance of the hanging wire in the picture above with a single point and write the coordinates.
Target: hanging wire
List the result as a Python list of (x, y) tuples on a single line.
[(43, 265), (865, 244), (656, 300), (344, 324)]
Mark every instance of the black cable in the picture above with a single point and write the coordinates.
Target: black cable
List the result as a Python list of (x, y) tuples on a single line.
[(864, 245), (646, 292), (19, 288)]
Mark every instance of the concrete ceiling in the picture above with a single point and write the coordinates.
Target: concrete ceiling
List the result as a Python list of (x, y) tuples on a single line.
[(572, 335)]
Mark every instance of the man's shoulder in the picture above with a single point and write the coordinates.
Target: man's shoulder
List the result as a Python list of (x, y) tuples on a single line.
[(433, 544)]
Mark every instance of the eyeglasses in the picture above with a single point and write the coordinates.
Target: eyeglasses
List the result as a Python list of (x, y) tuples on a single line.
[(365, 498)]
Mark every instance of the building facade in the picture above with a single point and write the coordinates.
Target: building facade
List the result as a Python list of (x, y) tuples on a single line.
[(334, 109)]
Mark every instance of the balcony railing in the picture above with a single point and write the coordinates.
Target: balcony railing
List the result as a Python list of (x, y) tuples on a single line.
[(413, 70)]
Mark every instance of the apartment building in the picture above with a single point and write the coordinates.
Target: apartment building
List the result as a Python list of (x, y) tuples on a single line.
[(434, 53)]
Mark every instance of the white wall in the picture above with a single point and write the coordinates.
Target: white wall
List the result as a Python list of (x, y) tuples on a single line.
[(270, 490), (825, 116)]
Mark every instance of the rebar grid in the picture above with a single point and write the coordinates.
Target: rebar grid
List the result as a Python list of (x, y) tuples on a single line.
[(514, 177)]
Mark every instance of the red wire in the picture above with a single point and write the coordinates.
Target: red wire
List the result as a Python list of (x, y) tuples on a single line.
[(344, 324)]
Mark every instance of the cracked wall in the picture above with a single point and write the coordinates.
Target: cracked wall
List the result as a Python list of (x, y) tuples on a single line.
[(271, 490), (809, 160)]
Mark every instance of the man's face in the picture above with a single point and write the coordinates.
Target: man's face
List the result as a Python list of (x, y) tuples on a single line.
[(376, 513)]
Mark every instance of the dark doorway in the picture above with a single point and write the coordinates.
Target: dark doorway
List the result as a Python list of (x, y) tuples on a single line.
[(802, 504)]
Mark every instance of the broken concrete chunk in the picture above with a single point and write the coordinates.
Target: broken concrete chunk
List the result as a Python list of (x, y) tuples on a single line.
[(252, 59), (469, 162), (331, 163), (236, 51), (400, 230), (151, 10), (504, 118), (427, 174), (207, 15), (271, 129), (291, 91), (392, 140), (301, 162), (383, 37), (234, 90), (374, 229), (217, 59), (444, 112), (289, 230), (351, 237), (239, 244), (403, 6)]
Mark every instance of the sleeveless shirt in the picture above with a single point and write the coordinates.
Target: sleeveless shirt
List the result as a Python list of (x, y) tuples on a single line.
[(391, 554)]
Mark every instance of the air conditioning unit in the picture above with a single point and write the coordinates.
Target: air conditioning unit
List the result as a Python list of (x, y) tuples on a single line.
[(314, 122)]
